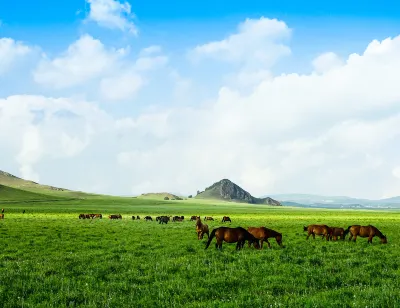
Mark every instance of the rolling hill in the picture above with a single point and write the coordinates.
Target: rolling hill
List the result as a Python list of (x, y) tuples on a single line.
[(228, 191), (160, 196), (12, 181)]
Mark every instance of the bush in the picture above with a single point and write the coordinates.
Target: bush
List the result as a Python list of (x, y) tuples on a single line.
[(190, 196), (166, 198)]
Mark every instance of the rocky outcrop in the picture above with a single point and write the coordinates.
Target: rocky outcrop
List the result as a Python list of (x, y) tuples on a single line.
[(229, 191)]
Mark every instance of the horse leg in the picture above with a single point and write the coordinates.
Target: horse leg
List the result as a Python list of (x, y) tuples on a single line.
[(370, 239), (308, 235), (269, 245), (351, 236), (313, 236), (355, 238)]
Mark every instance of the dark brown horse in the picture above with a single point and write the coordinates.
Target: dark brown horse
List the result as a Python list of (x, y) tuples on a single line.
[(232, 235), (138, 217), (335, 233), (365, 231), (263, 234), (133, 217), (115, 216), (317, 230), (201, 229), (208, 218), (194, 218), (82, 216), (1, 216), (226, 218), (148, 218)]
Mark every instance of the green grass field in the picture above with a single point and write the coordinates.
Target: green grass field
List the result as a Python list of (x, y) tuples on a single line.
[(50, 258)]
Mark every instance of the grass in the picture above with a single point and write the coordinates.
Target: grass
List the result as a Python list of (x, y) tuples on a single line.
[(50, 258)]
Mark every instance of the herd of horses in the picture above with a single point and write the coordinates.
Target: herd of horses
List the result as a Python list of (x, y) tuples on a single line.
[(256, 236)]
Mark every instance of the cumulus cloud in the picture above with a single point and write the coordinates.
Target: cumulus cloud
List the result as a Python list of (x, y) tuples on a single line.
[(334, 132), (258, 42), (121, 87), (112, 14), (10, 52), (326, 61), (85, 59)]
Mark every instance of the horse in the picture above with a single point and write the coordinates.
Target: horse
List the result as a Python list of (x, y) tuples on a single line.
[(317, 230), (163, 219), (82, 216), (148, 218), (232, 235), (263, 234), (334, 233), (226, 218), (117, 216), (138, 217), (193, 218), (133, 217), (208, 218), (1, 216), (201, 229), (365, 231)]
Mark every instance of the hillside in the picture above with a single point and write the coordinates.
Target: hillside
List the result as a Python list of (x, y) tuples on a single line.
[(229, 191), (160, 196), (10, 194), (13, 181)]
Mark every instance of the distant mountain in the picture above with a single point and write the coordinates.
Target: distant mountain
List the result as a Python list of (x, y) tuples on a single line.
[(310, 200), (229, 191), (160, 196)]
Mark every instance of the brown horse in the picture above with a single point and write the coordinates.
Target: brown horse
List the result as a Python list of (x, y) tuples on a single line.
[(317, 230), (117, 216), (226, 218), (201, 229), (365, 231), (194, 218), (208, 218), (82, 216), (232, 235), (263, 234), (334, 233), (1, 216)]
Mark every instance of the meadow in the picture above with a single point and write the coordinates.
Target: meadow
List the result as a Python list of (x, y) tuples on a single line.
[(50, 258)]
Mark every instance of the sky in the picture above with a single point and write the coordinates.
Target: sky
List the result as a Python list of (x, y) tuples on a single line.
[(130, 97)]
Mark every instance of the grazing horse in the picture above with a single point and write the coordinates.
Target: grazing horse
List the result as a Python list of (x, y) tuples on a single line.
[(193, 218), (226, 218), (317, 230), (2, 211), (117, 216), (365, 231), (82, 216), (163, 219), (334, 233), (133, 217), (201, 229), (208, 218), (232, 235), (138, 217), (148, 218), (263, 234), (178, 218), (1, 216)]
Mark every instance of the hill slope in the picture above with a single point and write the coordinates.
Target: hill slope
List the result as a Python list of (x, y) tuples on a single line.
[(13, 181), (160, 196), (10, 195), (229, 191)]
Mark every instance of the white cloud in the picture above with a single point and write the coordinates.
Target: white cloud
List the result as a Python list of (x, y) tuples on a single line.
[(256, 44), (396, 172), (85, 59), (10, 52), (326, 62), (112, 14), (334, 132), (121, 87)]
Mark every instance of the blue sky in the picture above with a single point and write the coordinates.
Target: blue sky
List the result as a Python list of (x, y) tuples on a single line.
[(278, 89)]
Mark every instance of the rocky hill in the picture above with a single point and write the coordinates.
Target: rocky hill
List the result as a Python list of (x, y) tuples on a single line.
[(229, 191)]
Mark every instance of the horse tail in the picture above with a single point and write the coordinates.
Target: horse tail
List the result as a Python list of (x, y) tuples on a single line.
[(346, 231), (211, 237)]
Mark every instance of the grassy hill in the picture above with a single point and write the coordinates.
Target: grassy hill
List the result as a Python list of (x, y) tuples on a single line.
[(7, 179), (159, 196), (10, 194)]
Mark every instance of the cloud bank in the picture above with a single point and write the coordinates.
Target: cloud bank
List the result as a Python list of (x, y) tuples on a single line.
[(332, 131)]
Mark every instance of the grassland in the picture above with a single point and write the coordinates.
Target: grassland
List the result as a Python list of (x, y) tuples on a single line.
[(50, 258)]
